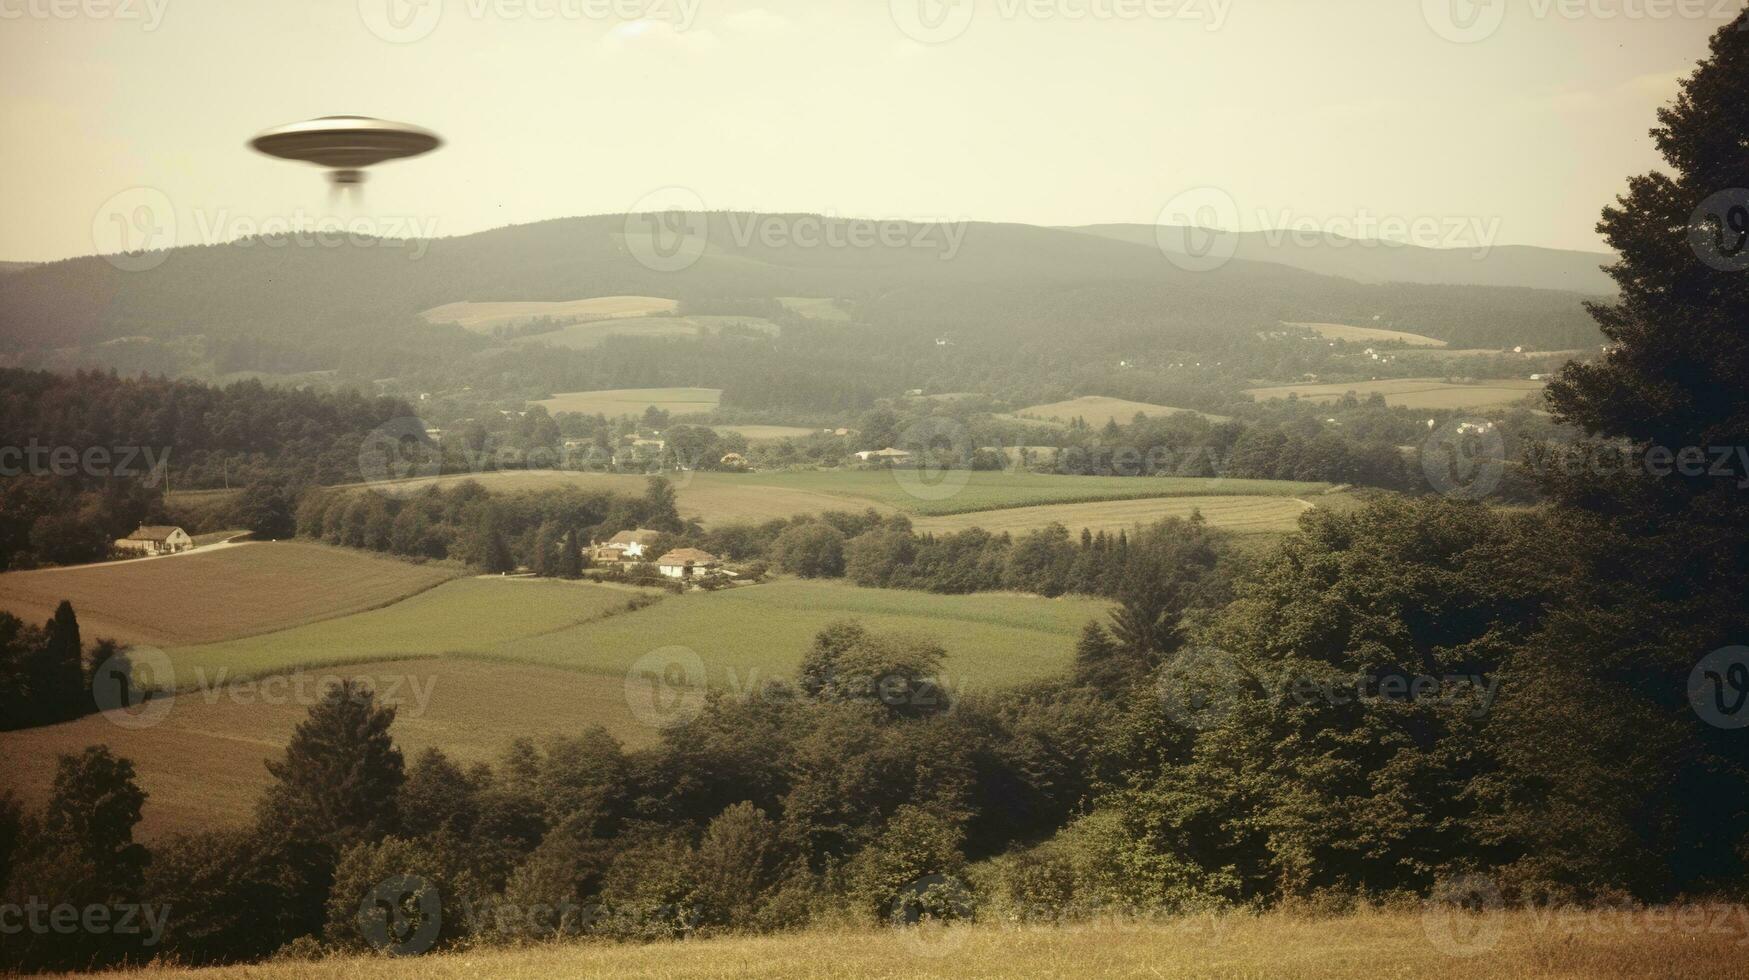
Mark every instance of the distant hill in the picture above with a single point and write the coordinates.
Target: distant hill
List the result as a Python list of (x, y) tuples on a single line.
[(1377, 261), (945, 307)]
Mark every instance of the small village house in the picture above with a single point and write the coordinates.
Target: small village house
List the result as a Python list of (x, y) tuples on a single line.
[(156, 539), (684, 563), (631, 545)]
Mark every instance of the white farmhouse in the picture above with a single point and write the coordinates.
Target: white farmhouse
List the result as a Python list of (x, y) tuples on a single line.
[(156, 539)]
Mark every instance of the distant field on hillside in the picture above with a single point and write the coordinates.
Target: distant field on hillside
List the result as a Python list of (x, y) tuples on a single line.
[(227, 592), (202, 765), (482, 317), (581, 336), (1366, 335), (717, 498), (815, 307), (1411, 392), (765, 433), (1098, 410), (632, 401), (759, 633), (1241, 515), (463, 617), (1407, 944)]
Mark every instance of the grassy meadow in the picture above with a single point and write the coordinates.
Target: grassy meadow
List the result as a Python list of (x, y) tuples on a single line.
[(1098, 410), (203, 764), (1367, 335), (1430, 393), (1240, 515), (205, 596), (614, 402), (581, 336), (1403, 945), (483, 317)]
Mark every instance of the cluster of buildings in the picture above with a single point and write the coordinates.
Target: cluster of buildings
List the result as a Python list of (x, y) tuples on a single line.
[(637, 546)]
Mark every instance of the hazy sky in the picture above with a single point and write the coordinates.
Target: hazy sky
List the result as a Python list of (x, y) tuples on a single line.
[(1334, 112)]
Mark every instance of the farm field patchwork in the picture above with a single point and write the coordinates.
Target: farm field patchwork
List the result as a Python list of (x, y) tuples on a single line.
[(750, 635), (581, 336), (1367, 335), (466, 616), (815, 307), (1098, 410), (1241, 515), (204, 596), (615, 402), (718, 498), (482, 317), (1429, 393), (203, 763), (1407, 944), (765, 433)]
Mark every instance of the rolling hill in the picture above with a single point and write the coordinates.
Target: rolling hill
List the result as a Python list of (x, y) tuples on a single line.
[(1378, 261)]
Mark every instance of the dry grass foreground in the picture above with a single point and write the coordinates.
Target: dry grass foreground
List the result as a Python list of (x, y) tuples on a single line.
[(1279, 946), (204, 596)]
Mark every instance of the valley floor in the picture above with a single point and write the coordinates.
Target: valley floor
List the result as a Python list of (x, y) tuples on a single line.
[(1694, 943)]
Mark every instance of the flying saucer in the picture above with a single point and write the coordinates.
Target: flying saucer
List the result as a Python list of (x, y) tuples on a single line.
[(346, 144)]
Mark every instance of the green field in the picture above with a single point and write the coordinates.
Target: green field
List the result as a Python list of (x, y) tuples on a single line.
[(581, 336), (484, 317), (471, 616), (718, 498), (1241, 515), (1098, 410), (815, 307), (213, 594), (766, 433), (1367, 335), (1430, 393), (632, 401), (759, 633)]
